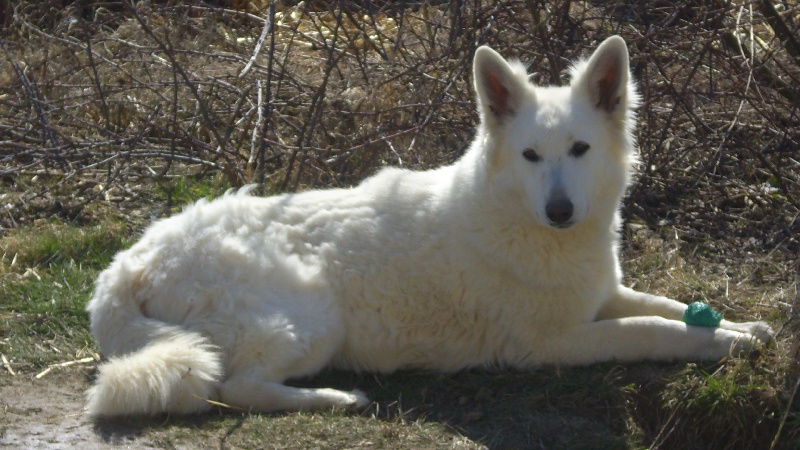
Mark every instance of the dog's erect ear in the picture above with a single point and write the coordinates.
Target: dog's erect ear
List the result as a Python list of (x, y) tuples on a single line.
[(604, 77), (498, 85)]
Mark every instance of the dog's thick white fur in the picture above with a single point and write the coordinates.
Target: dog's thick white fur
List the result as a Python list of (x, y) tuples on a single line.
[(507, 257)]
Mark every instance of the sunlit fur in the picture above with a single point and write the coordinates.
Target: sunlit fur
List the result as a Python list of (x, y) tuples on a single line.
[(454, 267)]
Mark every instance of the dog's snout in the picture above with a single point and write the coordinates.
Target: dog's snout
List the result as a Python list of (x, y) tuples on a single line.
[(559, 211)]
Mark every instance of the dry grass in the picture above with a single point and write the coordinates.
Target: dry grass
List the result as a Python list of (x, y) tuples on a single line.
[(110, 110)]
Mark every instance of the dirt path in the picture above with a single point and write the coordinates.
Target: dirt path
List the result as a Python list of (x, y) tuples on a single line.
[(47, 413)]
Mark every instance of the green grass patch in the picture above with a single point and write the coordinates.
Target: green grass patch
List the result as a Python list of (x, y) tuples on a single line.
[(42, 318), (738, 404), (53, 245), (47, 277), (48, 273), (179, 191)]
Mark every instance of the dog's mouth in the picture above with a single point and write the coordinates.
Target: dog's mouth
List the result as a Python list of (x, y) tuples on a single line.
[(562, 226)]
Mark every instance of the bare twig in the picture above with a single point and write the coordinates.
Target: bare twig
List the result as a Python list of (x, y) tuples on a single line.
[(7, 365), (780, 28), (260, 43), (265, 108), (209, 118), (50, 368), (315, 109), (784, 416)]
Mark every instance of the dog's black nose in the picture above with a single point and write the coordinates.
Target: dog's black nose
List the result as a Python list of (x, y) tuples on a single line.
[(559, 210)]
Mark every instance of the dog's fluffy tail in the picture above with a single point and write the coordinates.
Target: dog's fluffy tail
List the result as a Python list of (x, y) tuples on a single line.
[(153, 367)]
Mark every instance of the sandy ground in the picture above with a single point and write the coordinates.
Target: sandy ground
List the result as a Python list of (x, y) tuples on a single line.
[(47, 414)]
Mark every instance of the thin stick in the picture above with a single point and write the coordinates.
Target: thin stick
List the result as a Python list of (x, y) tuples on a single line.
[(7, 365), (260, 43), (265, 110), (41, 374), (785, 415), (220, 404)]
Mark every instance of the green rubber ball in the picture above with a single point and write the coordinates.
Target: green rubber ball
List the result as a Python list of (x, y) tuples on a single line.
[(700, 314)]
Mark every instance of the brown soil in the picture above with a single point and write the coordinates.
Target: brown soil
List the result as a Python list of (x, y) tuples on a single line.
[(48, 413)]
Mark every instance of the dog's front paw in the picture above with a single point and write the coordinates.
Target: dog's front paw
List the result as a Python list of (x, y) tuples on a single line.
[(760, 331), (747, 342)]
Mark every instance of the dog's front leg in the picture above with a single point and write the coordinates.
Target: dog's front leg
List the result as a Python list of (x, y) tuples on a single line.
[(626, 302), (638, 338)]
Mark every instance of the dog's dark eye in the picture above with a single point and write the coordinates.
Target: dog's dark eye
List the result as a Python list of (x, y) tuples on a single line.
[(579, 149), (531, 155)]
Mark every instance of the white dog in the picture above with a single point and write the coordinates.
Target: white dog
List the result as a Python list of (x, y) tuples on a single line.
[(508, 258)]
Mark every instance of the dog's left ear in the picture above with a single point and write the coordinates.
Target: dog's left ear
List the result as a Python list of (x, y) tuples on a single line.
[(604, 77)]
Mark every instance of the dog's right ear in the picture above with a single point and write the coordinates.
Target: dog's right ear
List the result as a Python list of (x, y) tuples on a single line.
[(497, 84), (604, 78)]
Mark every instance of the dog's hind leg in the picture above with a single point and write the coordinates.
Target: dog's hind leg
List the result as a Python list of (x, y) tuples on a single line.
[(250, 392), (267, 359)]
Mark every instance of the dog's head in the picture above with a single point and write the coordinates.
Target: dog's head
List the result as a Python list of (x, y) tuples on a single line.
[(567, 151)]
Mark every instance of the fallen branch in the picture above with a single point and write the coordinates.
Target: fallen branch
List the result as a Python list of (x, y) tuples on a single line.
[(785, 415), (260, 43), (41, 374), (219, 404), (7, 365), (780, 28)]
